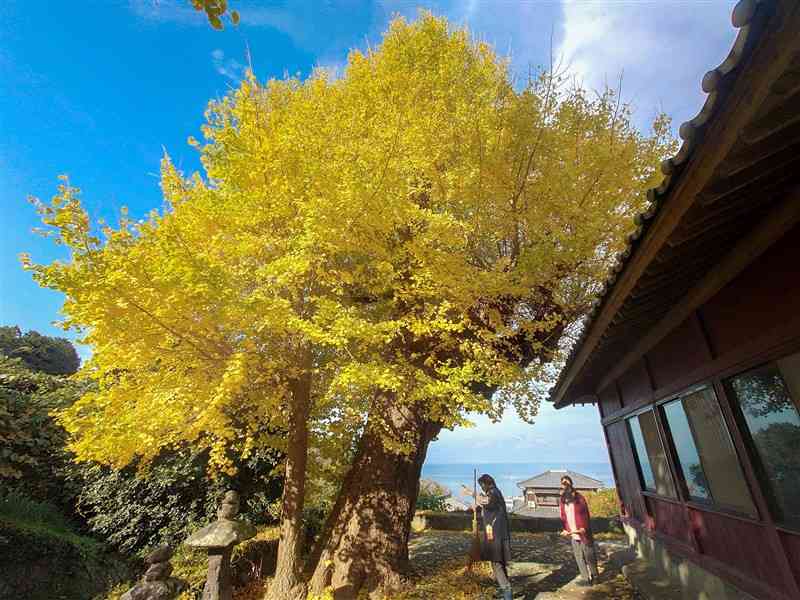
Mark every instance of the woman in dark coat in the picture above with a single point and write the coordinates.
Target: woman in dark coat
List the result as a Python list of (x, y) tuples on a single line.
[(496, 540)]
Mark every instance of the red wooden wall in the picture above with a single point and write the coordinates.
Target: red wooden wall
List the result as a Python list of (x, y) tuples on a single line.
[(764, 297), (745, 324)]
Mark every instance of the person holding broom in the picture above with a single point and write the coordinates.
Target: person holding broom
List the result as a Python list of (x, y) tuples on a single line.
[(496, 538)]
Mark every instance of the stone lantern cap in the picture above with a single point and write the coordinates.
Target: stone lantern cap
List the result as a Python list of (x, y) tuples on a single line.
[(225, 531)]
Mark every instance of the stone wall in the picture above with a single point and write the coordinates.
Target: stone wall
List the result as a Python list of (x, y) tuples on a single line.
[(462, 521)]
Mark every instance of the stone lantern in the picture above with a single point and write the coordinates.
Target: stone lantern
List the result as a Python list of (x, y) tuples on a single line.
[(218, 539), (156, 583)]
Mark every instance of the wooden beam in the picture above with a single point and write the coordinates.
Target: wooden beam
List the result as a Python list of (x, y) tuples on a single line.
[(757, 74), (750, 154), (657, 281), (715, 236), (771, 228), (737, 203), (655, 302), (770, 124), (778, 179), (721, 219), (758, 172)]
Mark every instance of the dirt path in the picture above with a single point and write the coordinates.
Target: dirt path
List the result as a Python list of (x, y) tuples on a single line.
[(543, 569)]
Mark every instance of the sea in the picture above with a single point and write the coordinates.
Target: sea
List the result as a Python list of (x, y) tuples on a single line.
[(507, 475)]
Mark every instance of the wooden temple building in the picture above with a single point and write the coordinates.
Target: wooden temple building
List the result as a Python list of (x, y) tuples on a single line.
[(692, 351)]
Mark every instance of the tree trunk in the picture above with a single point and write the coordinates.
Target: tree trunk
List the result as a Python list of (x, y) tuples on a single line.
[(288, 582), (364, 544)]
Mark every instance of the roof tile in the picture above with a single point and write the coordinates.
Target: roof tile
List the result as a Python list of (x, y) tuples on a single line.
[(742, 15)]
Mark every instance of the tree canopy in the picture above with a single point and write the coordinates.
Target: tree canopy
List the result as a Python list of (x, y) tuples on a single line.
[(53, 355), (410, 228)]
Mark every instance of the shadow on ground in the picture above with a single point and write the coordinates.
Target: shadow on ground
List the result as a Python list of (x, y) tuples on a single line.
[(544, 567)]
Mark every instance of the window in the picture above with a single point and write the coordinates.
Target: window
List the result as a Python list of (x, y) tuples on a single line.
[(764, 397), (705, 451), (653, 467)]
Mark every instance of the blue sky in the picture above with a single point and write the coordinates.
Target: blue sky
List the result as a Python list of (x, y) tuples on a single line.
[(98, 89)]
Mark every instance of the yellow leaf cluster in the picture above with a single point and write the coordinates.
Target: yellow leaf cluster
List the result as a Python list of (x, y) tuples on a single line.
[(412, 222)]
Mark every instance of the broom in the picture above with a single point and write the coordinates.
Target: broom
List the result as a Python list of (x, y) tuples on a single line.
[(475, 547)]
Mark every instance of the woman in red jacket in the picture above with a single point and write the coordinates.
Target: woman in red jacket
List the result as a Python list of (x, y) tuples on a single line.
[(575, 517)]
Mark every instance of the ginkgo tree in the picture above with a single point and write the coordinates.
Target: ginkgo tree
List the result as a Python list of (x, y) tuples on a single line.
[(367, 260)]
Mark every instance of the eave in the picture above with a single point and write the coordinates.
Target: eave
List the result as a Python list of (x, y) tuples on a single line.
[(746, 138)]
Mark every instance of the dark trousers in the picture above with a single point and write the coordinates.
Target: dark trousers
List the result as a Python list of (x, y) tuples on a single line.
[(586, 557), (501, 576)]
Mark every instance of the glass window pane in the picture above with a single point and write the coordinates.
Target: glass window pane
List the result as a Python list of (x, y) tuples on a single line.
[(764, 396), (706, 453), (650, 454), (689, 459), (717, 454), (641, 454), (655, 451)]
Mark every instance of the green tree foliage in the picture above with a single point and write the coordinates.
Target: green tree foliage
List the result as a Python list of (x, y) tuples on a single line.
[(215, 10), (132, 509), (432, 496), (603, 503), (135, 511), (31, 442), (53, 355)]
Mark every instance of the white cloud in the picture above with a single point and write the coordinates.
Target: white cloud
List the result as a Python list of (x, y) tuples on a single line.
[(230, 68), (662, 50), (572, 434), (171, 11), (334, 66)]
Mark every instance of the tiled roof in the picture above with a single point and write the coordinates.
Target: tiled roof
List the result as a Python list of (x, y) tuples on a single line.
[(714, 83), (552, 479)]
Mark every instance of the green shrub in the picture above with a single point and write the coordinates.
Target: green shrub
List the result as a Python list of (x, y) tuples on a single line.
[(175, 496), (192, 567), (18, 508), (603, 503), (132, 509), (432, 496), (117, 591), (32, 451), (53, 355), (44, 558)]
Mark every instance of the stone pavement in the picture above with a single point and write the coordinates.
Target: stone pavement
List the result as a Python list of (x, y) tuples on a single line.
[(543, 569)]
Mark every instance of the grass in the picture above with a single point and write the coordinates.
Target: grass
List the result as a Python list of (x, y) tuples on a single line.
[(41, 537), (42, 519)]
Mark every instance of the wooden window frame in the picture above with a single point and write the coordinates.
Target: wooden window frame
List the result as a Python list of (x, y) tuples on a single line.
[(714, 375), (747, 445), (713, 505)]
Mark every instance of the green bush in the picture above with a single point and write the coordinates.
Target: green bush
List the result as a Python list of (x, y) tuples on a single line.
[(32, 453), (432, 496), (52, 355), (603, 503), (19, 510), (44, 558), (135, 511)]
